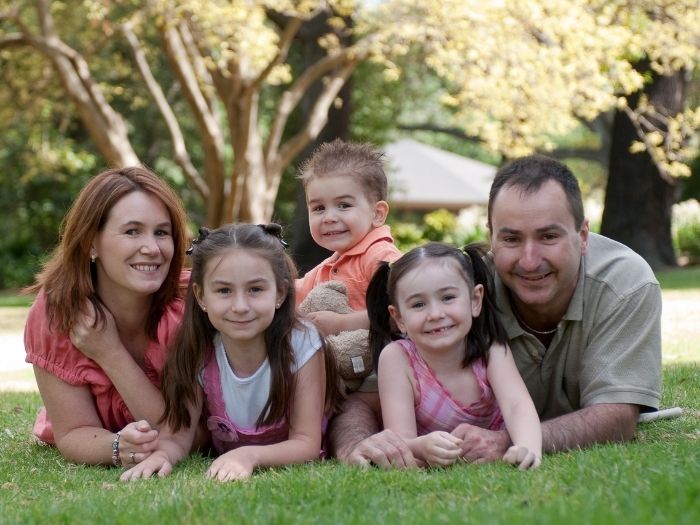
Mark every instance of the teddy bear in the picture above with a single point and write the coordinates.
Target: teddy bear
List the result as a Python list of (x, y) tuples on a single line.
[(351, 348)]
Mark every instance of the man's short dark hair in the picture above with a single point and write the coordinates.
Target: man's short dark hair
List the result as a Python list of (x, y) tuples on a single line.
[(529, 174)]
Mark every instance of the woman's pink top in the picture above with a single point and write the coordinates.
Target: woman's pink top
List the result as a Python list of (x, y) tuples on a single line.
[(56, 354), (437, 409)]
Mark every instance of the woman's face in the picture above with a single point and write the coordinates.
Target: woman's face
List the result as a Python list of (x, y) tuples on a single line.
[(135, 247)]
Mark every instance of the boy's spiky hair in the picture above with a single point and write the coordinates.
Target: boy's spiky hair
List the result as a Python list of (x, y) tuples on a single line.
[(362, 161)]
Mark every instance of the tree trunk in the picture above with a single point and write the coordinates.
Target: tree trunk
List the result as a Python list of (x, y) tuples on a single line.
[(305, 251), (638, 200)]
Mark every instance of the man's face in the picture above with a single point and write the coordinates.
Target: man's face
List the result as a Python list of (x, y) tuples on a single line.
[(537, 248)]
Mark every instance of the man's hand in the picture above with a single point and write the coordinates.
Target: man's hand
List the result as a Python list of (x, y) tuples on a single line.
[(480, 445), (385, 449)]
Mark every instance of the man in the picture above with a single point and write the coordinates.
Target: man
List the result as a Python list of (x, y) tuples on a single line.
[(582, 314)]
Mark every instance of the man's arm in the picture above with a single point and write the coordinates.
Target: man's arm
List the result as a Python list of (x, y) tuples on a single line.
[(603, 423), (354, 436), (606, 422)]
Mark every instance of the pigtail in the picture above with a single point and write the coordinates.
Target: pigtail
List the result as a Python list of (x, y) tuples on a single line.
[(380, 324), (487, 328)]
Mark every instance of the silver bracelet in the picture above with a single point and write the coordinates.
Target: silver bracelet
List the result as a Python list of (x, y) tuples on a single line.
[(116, 460)]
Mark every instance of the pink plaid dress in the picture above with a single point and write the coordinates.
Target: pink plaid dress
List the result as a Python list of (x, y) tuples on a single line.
[(436, 409)]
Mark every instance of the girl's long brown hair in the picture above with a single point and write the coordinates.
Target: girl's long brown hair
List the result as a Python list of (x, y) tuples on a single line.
[(193, 343), (68, 278)]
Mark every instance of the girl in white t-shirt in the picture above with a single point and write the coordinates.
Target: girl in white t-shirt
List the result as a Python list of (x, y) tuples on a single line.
[(243, 358)]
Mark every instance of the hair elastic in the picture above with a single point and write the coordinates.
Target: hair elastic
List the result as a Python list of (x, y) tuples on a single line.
[(276, 231), (203, 234)]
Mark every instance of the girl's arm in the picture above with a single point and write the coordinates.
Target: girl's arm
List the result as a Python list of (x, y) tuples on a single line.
[(396, 394), (304, 443), (103, 345), (78, 431), (172, 448), (517, 408)]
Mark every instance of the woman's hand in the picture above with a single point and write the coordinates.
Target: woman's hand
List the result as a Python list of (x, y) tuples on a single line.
[(234, 465), (93, 341), (522, 457), (137, 442)]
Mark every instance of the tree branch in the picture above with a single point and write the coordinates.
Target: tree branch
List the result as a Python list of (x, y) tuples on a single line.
[(13, 40), (292, 96), (212, 137), (182, 157), (641, 134), (317, 118), (106, 126), (285, 43), (595, 155), (198, 65), (452, 132)]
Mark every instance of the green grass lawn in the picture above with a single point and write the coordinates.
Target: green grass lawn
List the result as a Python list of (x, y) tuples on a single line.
[(680, 278), (652, 480)]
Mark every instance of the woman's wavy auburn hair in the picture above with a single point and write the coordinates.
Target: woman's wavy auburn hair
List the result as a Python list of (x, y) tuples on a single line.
[(68, 279)]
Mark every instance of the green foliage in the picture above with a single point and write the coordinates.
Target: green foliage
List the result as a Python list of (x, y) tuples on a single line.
[(34, 201), (650, 480), (687, 237), (686, 230), (440, 226)]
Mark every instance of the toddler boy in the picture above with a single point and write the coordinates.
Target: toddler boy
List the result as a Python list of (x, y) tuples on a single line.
[(346, 190)]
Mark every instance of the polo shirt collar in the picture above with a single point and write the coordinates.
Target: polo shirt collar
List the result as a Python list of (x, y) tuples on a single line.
[(374, 235)]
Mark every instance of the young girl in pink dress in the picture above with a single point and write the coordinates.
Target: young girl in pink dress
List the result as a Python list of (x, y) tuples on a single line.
[(244, 359), (451, 364)]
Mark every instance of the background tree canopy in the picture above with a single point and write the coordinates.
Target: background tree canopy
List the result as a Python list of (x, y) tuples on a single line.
[(222, 97)]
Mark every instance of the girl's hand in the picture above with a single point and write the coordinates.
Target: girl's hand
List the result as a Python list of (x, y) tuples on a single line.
[(234, 465), (439, 448), (136, 443), (92, 340), (523, 457), (157, 463)]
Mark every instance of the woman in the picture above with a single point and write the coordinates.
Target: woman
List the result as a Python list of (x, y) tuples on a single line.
[(108, 304)]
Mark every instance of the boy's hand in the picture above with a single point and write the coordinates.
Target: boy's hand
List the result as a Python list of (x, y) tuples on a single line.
[(330, 323)]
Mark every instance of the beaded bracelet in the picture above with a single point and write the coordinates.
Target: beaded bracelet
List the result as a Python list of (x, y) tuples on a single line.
[(116, 460)]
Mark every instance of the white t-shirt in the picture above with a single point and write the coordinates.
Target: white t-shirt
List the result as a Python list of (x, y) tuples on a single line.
[(245, 397)]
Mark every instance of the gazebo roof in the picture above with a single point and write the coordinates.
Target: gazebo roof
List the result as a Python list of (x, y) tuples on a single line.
[(426, 177)]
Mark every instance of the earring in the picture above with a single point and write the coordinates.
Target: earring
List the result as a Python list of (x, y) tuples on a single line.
[(93, 256), (204, 308), (277, 306)]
